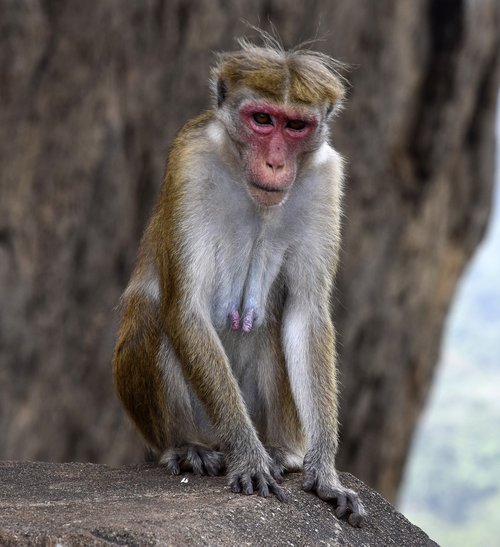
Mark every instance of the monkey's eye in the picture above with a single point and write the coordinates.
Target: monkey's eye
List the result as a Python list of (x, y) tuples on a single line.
[(262, 118), (296, 125)]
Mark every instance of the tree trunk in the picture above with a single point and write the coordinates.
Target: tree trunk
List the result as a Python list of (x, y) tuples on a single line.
[(91, 94)]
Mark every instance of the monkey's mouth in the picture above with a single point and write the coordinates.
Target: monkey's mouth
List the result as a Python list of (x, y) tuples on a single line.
[(269, 189), (267, 196)]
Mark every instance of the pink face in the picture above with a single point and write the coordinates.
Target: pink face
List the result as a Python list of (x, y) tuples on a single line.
[(276, 137)]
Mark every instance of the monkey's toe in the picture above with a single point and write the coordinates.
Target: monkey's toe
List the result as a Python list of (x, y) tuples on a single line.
[(205, 461), (196, 458), (172, 462), (310, 479), (346, 501)]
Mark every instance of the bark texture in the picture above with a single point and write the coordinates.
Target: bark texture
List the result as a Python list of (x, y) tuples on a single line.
[(91, 94)]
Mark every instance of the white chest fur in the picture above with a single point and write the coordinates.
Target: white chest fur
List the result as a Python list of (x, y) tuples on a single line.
[(247, 263)]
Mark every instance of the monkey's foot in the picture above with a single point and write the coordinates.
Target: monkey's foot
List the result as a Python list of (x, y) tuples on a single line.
[(193, 457), (347, 502)]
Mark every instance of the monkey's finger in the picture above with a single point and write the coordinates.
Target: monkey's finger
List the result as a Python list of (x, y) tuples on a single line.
[(171, 463), (262, 487), (246, 484), (276, 473), (341, 509), (194, 459), (327, 493), (358, 512), (213, 461), (355, 519), (277, 490), (174, 468), (235, 486), (310, 477)]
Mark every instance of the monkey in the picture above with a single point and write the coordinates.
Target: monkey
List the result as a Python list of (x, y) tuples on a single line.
[(225, 358)]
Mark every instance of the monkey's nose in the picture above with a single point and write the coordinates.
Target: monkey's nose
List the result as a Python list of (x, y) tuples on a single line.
[(275, 166)]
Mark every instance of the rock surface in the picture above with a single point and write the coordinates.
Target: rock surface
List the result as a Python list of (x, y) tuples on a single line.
[(87, 504)]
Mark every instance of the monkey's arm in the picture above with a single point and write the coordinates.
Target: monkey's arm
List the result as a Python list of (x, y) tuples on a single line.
[(208, 371), (309, 346)]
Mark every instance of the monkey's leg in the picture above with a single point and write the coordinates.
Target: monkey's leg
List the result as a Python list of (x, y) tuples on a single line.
[(150, 383), (309, 342), (138, 379), (192, 444)]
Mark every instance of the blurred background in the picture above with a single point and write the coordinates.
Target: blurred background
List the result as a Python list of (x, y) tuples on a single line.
[(91, 95)]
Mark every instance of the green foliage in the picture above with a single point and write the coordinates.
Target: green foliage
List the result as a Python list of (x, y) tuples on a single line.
[(452, 488)]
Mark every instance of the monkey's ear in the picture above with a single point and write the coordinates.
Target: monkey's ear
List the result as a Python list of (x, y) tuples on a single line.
[(221, 91)]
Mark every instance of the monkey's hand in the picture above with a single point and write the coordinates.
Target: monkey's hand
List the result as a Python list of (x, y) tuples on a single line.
[(253, 474), (326, 484)]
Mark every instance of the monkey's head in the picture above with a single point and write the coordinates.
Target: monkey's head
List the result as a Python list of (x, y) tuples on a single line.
[(275, 106)]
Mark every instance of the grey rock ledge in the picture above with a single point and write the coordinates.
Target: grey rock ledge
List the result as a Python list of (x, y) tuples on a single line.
[(87, 504)]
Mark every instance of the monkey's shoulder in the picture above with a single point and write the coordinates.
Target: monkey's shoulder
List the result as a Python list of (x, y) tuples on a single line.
[(195, 125), (192, 140), (193, 132)]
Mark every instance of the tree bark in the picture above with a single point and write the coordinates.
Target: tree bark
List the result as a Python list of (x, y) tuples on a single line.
[(91, 94)]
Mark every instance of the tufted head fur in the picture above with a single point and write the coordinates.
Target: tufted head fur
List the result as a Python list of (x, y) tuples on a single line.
[(297, 76)]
